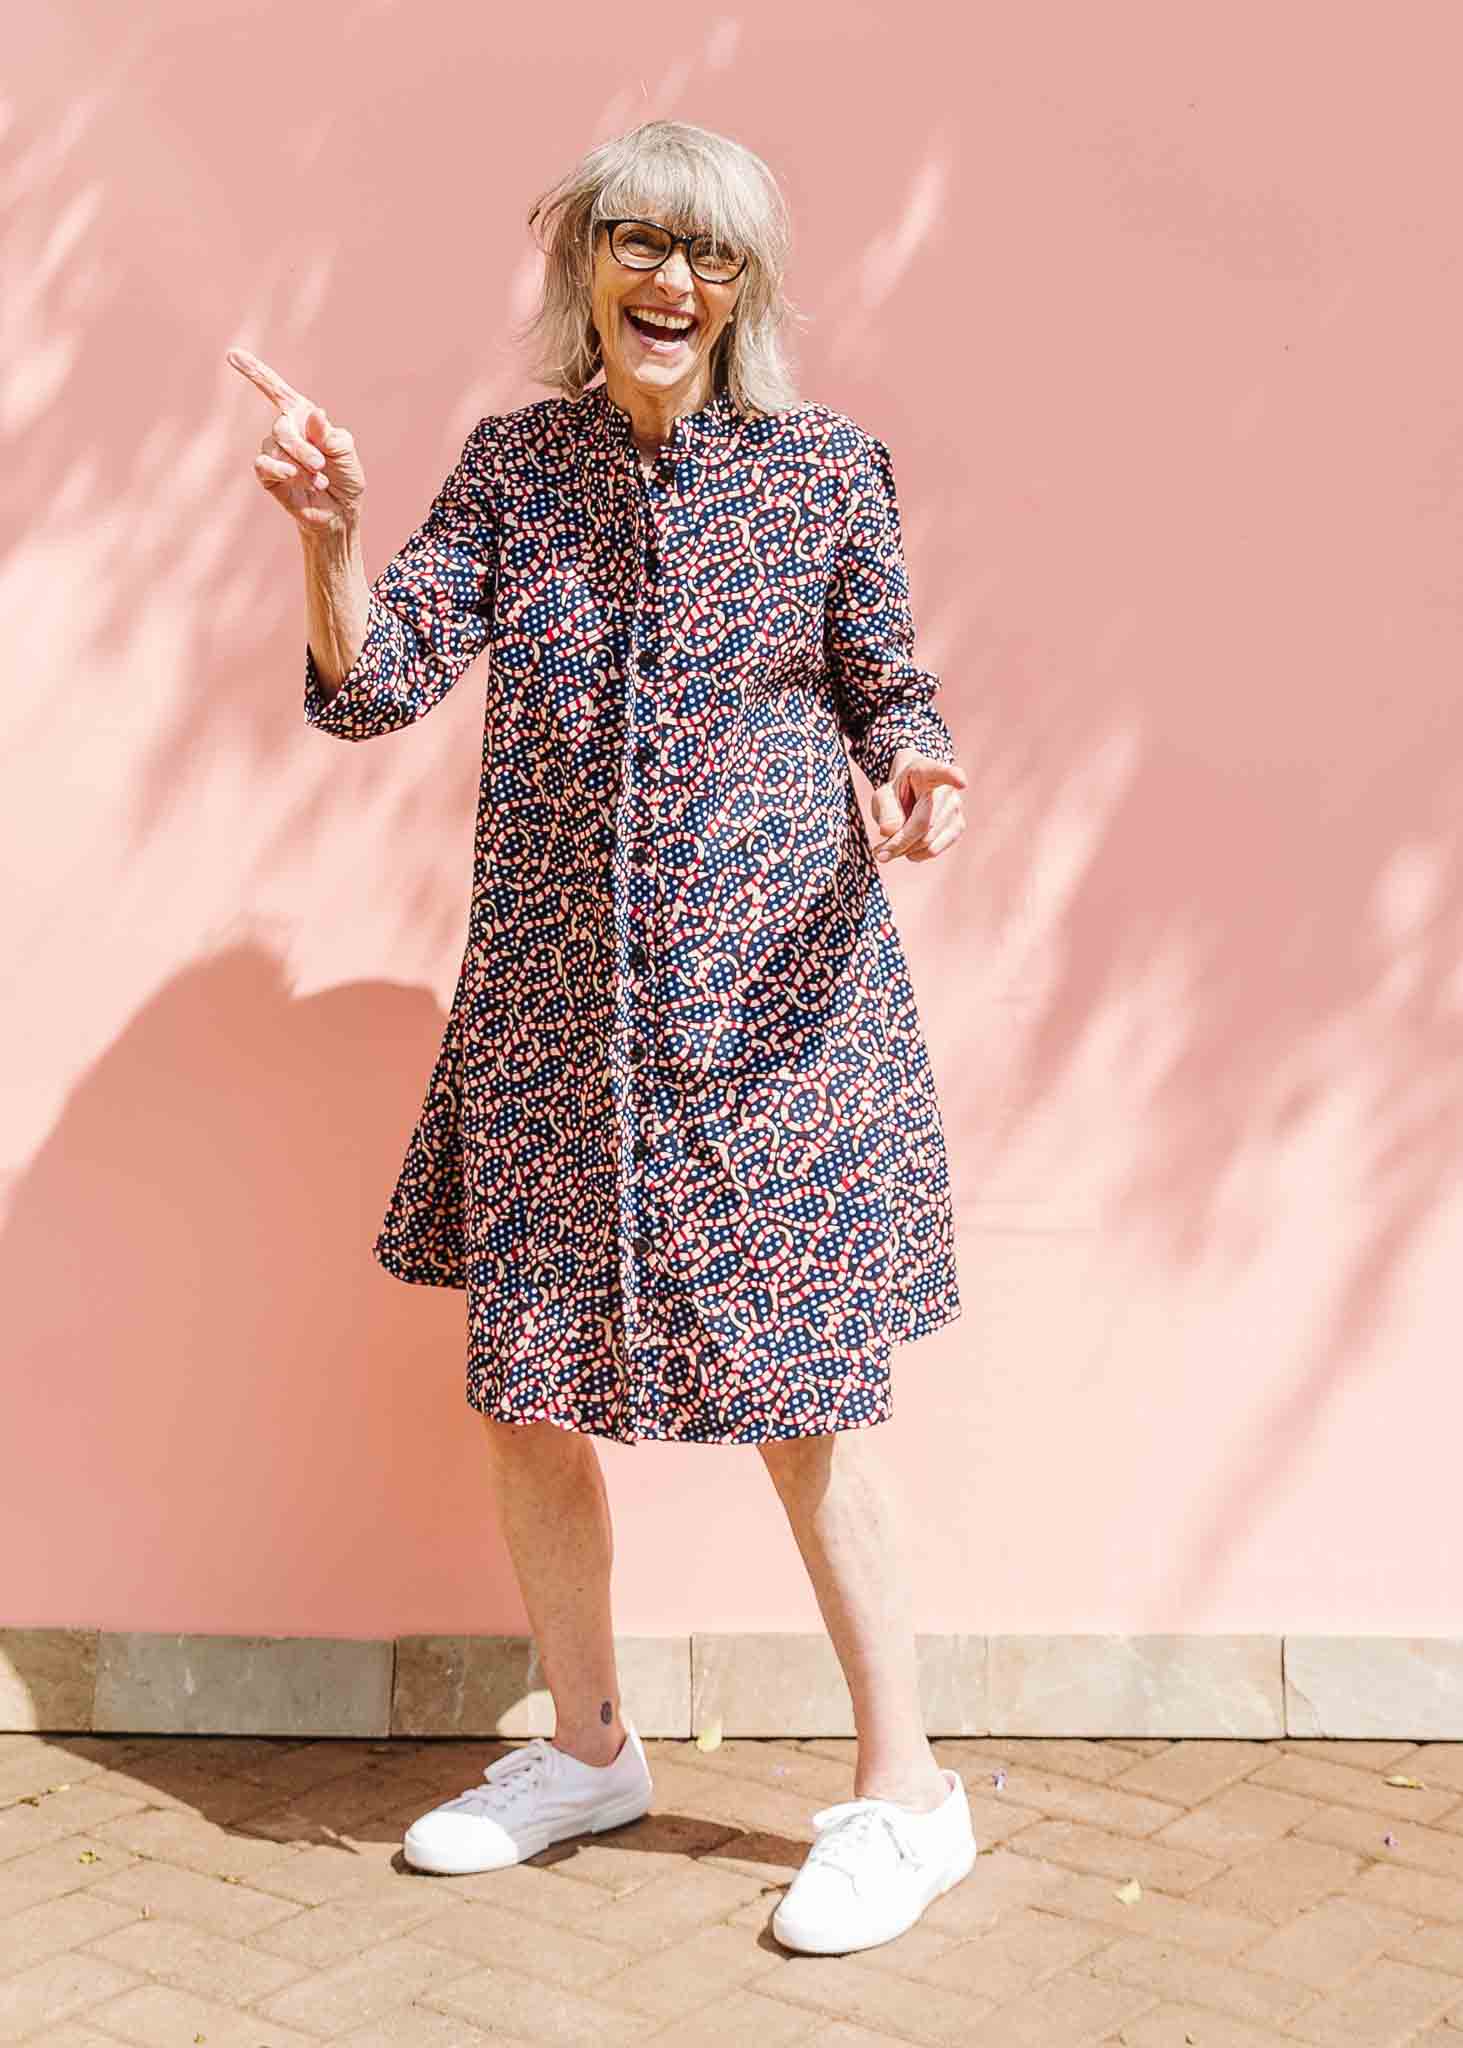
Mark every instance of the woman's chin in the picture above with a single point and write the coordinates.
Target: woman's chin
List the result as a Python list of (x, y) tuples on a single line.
[(651, 376), (666, 369)]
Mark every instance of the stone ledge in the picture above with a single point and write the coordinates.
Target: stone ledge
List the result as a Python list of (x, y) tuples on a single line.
[(1240, 1687), (242, 1685), (1374, 1687), (494, 1685), (48, 1679), (1223, 1686)]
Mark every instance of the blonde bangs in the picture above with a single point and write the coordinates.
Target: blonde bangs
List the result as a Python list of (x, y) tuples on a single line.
[(686, 194)]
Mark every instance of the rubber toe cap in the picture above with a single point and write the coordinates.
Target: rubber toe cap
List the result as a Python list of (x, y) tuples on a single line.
[(455, 1843)]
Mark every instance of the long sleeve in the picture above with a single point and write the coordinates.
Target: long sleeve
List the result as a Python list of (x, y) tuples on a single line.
[(883, 700), (430, 611)]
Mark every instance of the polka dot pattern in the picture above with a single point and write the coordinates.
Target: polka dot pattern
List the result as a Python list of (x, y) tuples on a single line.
[(681, 1144)]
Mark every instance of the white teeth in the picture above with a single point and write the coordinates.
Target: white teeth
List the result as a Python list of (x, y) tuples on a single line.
[(673, 323)]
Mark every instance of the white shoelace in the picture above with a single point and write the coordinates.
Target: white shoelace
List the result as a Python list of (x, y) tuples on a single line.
[(843, 1832), (509, 1777)]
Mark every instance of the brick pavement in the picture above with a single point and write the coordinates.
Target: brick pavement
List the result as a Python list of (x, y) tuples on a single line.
[(250, 1894)]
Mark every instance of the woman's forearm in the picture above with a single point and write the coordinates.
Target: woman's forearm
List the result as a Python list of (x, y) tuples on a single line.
[(336, 599)]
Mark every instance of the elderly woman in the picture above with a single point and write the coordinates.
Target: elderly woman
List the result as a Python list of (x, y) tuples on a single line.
[(681, 1146)]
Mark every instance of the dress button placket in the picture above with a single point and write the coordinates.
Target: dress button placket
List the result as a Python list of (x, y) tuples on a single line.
[(642, 757)]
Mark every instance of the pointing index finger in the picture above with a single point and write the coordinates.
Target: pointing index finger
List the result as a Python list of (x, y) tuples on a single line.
[(275, 388)]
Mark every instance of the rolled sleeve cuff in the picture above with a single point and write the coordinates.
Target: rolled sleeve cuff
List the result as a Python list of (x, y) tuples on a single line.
[(918, 726), (364, 703)]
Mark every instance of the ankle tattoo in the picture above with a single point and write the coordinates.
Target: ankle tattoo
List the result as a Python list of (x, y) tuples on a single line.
[(606, 1713)]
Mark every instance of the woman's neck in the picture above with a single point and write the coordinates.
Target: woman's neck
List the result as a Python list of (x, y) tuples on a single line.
[(653, 414)]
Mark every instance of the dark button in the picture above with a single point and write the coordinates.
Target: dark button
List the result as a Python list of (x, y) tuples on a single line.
[(652, 561), (635, 1052), (640, 1246), (639, 957), (641, 855), (647, 662), (642, 1150), (644, 756)]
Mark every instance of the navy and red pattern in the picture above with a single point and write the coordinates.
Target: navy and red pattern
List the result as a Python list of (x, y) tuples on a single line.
[(681, 1144)]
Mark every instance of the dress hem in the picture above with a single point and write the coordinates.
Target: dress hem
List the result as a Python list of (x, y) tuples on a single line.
[(922, 1324), (658, 1436), (399, 1269)]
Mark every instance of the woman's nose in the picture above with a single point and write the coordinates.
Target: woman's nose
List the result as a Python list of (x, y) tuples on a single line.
[(676, 271)]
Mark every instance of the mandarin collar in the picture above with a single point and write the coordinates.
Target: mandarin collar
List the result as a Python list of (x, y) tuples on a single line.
[(705, 433)]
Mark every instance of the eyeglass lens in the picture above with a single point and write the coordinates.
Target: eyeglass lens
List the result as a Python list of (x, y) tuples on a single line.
[(645, 247)]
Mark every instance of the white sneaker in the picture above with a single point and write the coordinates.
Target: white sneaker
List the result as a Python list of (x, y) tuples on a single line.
[(873, 1868), (533, 1796)]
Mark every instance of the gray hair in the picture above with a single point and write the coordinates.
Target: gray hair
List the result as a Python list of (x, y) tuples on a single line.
[(693, 180)]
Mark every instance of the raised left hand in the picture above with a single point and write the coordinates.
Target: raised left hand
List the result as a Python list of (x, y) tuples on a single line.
[(918, 810)]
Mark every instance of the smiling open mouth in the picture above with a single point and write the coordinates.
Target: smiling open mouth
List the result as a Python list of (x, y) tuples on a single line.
[(667, 333)]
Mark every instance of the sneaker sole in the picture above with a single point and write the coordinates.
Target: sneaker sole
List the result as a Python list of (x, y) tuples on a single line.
[(616, 1813)]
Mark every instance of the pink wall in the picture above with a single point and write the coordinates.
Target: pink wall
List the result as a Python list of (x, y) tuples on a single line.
[(1159, 310)]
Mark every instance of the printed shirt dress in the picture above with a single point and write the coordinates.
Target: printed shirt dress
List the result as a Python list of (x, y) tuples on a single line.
[(681, 1144)]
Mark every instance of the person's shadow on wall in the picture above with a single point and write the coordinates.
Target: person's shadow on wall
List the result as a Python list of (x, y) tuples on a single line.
[(204, 1355)]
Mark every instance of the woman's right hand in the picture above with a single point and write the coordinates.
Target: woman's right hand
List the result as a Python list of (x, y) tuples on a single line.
[(304, 463)]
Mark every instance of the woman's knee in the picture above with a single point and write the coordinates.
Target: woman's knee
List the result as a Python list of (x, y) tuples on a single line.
[(794, 1458), (509, 1438)]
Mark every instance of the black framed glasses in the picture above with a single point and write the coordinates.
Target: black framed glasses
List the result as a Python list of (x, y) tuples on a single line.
[(645, 245)]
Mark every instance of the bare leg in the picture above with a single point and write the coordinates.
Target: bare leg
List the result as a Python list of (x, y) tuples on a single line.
[(555, 1518), (840, 1503)]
